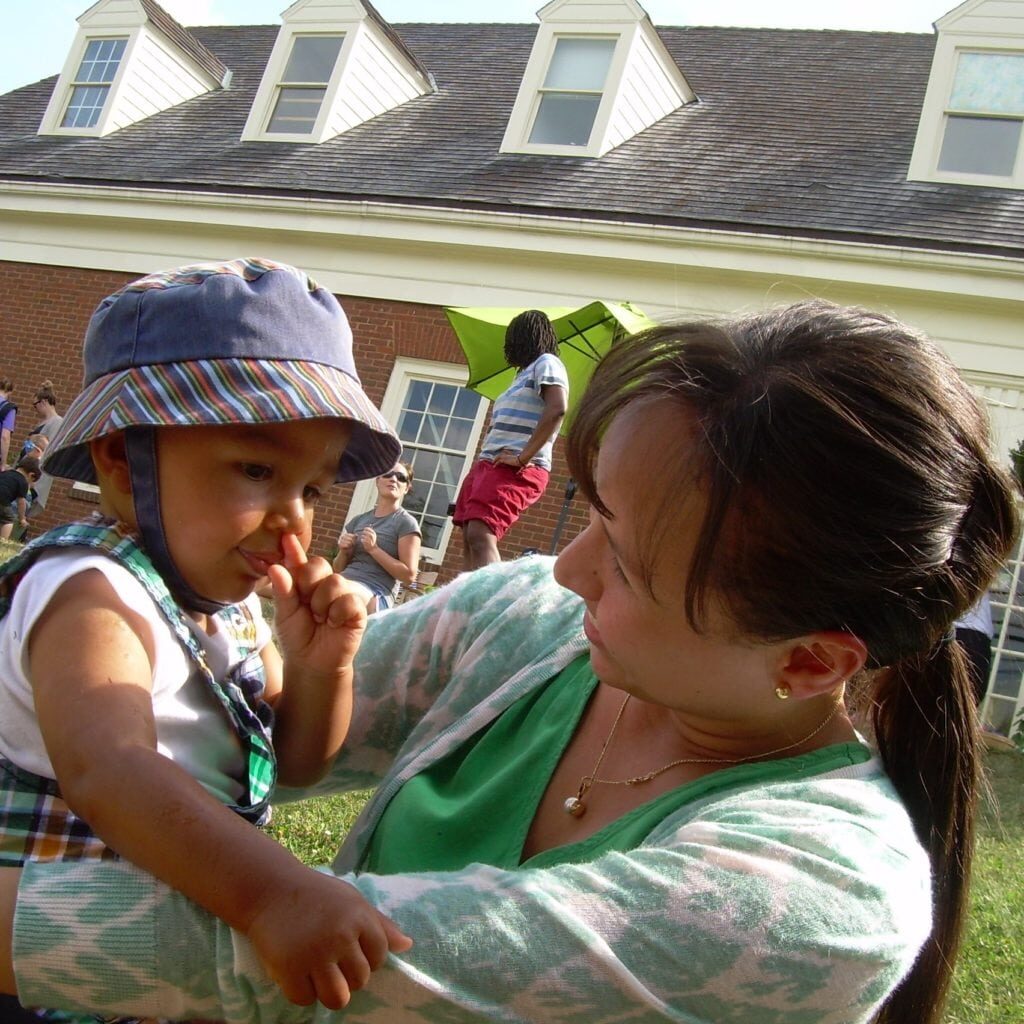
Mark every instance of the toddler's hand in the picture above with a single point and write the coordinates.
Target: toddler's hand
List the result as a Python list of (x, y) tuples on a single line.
[(318, 618), (319, 940)]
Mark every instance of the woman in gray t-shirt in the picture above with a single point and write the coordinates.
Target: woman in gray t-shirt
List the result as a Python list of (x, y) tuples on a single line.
[(380, 549)]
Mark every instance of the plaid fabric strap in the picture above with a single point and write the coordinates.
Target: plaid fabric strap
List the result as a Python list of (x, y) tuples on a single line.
[(240, 695)]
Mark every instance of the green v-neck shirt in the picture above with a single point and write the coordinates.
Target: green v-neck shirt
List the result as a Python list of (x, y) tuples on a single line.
[(477, 804)]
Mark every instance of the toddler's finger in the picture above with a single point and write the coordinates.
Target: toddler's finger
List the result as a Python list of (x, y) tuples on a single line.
[(292, 550), (355, 967), (298, 989), (398, 941), (331, 987)]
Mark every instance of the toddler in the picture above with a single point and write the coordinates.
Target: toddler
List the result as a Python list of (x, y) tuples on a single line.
[(145, 712)]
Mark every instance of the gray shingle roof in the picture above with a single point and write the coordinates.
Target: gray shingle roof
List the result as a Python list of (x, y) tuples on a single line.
[(208, 61), (805, 133)]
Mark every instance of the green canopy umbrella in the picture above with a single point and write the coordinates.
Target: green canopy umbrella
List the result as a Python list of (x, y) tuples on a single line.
[(585, 335)]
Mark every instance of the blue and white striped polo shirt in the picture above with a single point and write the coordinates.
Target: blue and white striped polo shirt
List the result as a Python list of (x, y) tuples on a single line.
[(518, 410)]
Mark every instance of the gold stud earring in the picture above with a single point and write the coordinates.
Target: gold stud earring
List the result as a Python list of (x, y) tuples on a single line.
[(782, 691)]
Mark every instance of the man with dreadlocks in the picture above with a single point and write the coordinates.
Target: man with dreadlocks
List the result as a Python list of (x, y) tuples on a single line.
[(515, 460)]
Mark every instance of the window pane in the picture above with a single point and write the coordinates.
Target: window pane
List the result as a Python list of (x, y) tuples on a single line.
[(409, 426), (440, 499), (85, 106), (418, 396), (424, 466), (458, 434), (466, 403), (442, 400), (433, 430), (296, 110), (990, 83), (312, 59), (980, 145), (432, 532), (564, 120), (101, 60), (580, 64), (450, 469)]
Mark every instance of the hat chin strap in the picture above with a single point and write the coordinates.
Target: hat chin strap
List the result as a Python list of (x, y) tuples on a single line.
[(140, 446)]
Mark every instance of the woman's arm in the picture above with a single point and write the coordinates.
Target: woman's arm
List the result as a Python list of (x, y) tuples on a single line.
[(738, 915), (403, 568)]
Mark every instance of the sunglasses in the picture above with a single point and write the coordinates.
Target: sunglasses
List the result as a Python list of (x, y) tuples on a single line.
[(395, 475)]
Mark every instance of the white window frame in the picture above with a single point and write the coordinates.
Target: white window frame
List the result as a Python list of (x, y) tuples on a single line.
[(1002, 711), (270, 86), (61, 97), (405, 371), (924, 164), (281, 86), (531, 89)]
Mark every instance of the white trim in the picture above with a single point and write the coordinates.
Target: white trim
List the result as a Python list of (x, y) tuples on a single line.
[(406, 370), (125, 229)]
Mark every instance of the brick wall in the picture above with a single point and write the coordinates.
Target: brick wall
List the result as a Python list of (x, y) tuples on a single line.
[(45, 313)]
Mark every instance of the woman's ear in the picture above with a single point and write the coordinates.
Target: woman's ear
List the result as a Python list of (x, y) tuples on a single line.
[(818, 663), (111, 463)]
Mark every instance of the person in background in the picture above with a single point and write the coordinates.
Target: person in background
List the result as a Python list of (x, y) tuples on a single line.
[(624, 785), (8, 418), (974, 634), (515, 459), (380, 549), (45, 406), (15, 485)]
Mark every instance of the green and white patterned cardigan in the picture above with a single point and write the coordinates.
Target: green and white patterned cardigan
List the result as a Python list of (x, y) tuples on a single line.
[(800, 902)]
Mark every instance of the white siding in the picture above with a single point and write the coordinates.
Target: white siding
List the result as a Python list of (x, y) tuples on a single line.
[(593, 12), (646, 95), (994, 17), (322, 12), (115, 16), (372, 84), (155, 79)]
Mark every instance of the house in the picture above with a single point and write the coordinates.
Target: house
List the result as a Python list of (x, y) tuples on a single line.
[(691, 171)]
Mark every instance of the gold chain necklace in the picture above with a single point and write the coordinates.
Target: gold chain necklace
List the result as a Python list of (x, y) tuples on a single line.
[(575, 806)]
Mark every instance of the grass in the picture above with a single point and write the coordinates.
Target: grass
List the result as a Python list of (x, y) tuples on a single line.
[(988, 987)]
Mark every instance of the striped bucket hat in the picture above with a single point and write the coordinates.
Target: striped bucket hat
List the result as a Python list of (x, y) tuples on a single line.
[(244, 341)]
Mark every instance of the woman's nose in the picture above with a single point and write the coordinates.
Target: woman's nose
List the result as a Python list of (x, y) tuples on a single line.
[(576, 567)]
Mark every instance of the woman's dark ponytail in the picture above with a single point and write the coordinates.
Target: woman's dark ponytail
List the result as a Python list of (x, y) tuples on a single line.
[(930, 697)]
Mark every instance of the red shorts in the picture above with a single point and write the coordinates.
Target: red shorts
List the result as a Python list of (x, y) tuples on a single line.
[(498, 494)]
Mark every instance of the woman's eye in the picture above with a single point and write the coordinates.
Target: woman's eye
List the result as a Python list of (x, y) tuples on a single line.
[(617, 569), (254, 471)]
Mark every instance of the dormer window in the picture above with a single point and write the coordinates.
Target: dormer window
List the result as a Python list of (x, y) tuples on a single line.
[(129, 60), (984, 115), (335, 65), (597, 76), (303, 86), (569, 98), (971, 130), (91, 84)]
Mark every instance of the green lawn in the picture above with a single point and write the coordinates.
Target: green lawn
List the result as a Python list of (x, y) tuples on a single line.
[(989, 983)]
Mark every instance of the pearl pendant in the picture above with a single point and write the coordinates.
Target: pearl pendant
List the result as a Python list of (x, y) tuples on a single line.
[(574, 806)]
